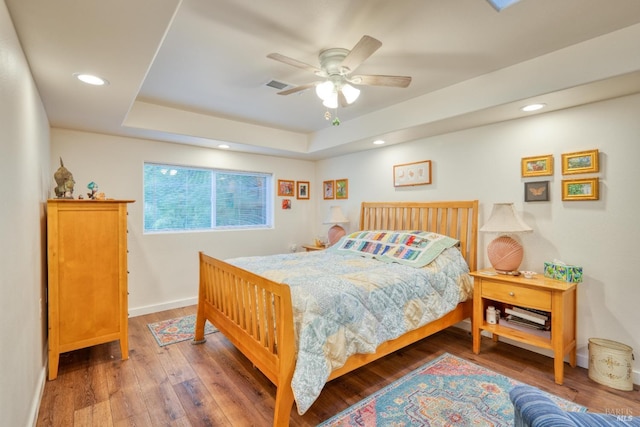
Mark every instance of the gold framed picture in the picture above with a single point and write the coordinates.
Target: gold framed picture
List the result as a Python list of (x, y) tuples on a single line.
[(580, 189), (342, 188), (417, 173), (302, 189), (537, 166), (286, 188), (580, 162), (328, 190)]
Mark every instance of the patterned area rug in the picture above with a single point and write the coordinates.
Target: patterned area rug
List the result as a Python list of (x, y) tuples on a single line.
[(176, 330), (447, 391)]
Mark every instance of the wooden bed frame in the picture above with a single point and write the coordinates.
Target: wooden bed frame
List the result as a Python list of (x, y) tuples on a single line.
[(256, 315)]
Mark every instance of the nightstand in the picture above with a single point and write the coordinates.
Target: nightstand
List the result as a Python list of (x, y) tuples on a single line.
[(311, 248), (539, 293)]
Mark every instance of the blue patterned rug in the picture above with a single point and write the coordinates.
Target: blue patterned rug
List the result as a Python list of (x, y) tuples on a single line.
[(447, 391)]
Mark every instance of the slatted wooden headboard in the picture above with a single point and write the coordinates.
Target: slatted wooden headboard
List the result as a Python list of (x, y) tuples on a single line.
[(457, 219)]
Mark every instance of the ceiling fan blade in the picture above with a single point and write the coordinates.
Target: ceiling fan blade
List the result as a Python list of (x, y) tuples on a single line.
[(297, 89), (360, 52), (381, 80), (294, 62)]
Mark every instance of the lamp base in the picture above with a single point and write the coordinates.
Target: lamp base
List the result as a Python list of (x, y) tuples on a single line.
[(335, 233), (505, 255)]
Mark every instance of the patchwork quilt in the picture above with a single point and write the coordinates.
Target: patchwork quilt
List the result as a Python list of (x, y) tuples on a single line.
[(414, 248), (345, 303)]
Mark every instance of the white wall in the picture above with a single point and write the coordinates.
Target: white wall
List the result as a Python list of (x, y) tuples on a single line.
[(24, 170), (164, 267), (481, 163), (484, 163)]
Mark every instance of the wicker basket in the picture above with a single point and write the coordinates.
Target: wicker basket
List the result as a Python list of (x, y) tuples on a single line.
[(610, 363)]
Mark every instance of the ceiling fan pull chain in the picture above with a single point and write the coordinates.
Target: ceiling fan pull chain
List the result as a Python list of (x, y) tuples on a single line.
[(336, 121)]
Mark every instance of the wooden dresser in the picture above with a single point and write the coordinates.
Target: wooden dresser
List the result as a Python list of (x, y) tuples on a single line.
[(87, 265)]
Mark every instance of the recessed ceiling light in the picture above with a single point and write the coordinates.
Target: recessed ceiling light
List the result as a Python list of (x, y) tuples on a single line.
[(533, 107), (91, 79), (223, 146), (378, 142)]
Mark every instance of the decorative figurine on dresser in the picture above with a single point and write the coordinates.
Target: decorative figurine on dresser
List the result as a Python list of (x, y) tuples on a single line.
[(64, 181), (87, 291)]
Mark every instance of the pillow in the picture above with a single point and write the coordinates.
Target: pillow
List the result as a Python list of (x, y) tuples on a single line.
[(413, 248)]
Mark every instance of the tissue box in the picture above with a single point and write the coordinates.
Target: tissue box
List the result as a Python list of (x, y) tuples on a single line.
[(565, 273)]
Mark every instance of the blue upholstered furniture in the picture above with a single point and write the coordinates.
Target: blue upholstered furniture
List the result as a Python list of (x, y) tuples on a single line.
[(532, 408)]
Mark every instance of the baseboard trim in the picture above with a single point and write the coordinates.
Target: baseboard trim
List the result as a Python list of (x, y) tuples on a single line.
[(148, 309), (37, 398)]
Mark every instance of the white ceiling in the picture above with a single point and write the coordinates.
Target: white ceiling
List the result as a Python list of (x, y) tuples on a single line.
[(194, 71)]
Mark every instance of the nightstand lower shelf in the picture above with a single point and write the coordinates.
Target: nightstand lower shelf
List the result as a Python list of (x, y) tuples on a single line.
[(540, 339)]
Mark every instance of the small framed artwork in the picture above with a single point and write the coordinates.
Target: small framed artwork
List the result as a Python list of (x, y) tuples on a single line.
[(286, 203), (580, 162), (285, 188), (342, 188), (328, 190), (536, 191), (537, 166), (302, 189), (580, 189), (418, 173)]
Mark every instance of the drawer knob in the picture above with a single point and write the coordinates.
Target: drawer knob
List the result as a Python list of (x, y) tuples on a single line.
[(511, 294)]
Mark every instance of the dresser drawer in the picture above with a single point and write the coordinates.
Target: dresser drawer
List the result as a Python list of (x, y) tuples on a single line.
[(517, 295)]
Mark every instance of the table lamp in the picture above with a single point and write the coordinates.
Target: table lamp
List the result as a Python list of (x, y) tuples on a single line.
[(335, 217), (505, 254)]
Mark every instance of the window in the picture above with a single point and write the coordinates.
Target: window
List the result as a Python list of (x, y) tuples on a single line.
[(182, 198)]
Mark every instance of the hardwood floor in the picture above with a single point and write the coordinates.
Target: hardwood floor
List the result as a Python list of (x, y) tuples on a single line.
[(215, 385)]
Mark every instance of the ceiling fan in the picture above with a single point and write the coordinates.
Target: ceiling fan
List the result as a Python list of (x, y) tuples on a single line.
[(336, 68)]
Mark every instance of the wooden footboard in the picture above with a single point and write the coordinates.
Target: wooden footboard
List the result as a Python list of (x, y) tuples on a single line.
[(255, 314)]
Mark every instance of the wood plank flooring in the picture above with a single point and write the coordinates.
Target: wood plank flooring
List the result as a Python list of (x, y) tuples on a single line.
[(215, 385)]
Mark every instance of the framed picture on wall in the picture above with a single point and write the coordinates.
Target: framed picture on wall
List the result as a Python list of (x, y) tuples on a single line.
[(580, 189), (580, 162), (417, 173), (302, 189), (342, 188), (536, 191), (328, 190), (537, 166), (285, 188)]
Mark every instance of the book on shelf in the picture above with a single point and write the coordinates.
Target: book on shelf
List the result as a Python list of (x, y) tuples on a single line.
[(528, 329), (543, 313), (527, 323), (528, 315)]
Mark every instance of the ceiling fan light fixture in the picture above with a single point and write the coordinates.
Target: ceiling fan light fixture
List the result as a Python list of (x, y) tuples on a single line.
[(350, 93), (325, 90), (331, 101)]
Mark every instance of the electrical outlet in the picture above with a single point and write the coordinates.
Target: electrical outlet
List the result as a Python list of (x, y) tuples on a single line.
[(293, 247)]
